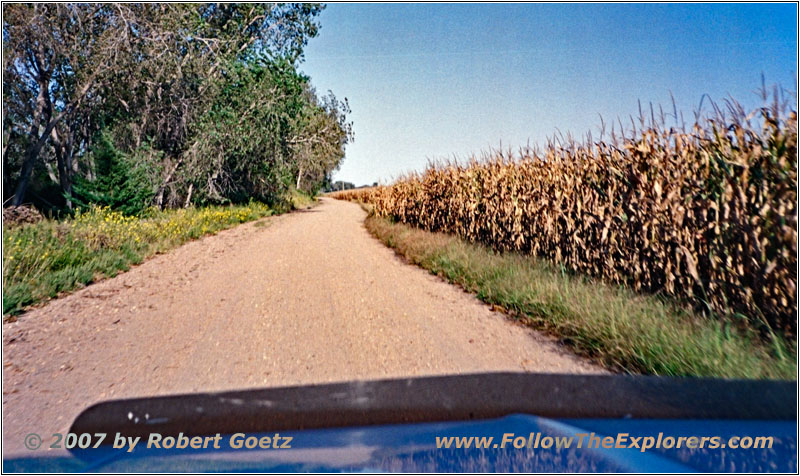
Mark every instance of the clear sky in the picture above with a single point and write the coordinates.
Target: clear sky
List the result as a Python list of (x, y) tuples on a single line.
[(434, 80)]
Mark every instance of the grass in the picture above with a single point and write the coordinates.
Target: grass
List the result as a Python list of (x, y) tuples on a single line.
[(302, 200), (614, 326), (43, 260)]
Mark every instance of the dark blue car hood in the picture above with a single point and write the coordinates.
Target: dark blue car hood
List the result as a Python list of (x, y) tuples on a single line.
[(393, 426)]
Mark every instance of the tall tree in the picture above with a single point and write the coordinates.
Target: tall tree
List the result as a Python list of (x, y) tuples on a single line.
[(59, 56), (161, 80), (321, 133)]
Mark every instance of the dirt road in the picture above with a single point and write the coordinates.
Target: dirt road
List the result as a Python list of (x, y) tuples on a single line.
[(303, 298)]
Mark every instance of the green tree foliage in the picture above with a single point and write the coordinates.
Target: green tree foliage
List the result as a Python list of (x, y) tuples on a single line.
[(243, 151), (321, 133), (203, 100), (266, 132), (120, 182)]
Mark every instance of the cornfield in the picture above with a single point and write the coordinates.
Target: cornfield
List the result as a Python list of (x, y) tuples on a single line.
[(708, 215)]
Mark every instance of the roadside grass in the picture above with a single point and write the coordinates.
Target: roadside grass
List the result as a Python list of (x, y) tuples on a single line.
[(44, 259), (614, 326), (302, 200)]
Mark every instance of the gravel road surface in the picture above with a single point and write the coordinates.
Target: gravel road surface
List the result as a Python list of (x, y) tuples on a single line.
[(302, 298)]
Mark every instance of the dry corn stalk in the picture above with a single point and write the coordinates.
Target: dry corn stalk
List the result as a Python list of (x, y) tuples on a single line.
[(709, 216)]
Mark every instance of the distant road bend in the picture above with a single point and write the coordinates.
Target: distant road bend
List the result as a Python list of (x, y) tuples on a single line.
[(303, 298)]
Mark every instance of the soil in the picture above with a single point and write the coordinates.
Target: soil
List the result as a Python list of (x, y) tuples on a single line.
[(302, 298)]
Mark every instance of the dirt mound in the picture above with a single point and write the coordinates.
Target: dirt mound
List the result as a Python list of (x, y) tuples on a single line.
[(15, 216)]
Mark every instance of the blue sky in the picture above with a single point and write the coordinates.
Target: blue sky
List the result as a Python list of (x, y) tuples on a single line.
[(437, 80)]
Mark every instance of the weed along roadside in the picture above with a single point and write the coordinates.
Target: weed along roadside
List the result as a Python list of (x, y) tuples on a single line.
[(45, 259), (616, 327)]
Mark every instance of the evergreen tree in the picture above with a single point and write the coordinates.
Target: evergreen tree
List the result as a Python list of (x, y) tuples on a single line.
[(118, 182)]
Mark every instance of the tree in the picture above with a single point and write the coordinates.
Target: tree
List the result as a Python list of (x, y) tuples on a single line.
[(206, 96), (322, 132), (120, 183), (266, 132), (58, 57)]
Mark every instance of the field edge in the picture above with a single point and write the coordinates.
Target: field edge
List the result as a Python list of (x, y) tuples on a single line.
[(619, 329)]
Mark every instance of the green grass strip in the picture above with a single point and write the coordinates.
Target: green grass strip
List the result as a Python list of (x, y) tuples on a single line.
[(45, 259), (614, 326)]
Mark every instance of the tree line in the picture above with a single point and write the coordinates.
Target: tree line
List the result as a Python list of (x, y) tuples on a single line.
[(133, 105)]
